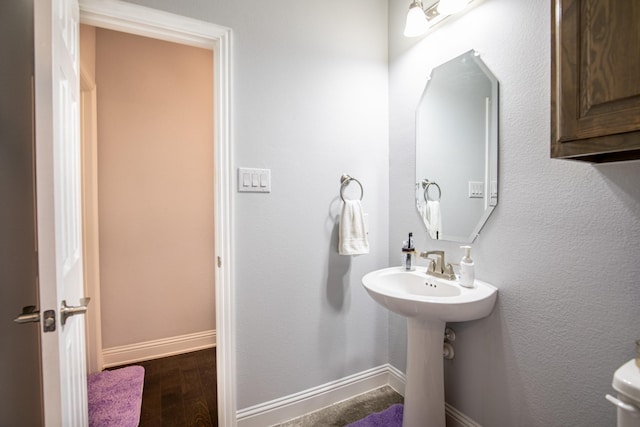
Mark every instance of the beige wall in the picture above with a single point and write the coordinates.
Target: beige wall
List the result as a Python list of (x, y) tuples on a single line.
[(155, 154)]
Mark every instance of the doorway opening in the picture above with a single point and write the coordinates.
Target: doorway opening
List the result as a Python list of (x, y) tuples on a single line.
[(129, 18), (148, 181)]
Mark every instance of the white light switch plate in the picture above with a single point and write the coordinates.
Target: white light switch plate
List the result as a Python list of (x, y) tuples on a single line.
[(476, 189), (251, 180)]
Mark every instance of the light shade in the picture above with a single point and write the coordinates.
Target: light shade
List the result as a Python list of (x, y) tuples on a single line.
[(417, 23), (449, 7)]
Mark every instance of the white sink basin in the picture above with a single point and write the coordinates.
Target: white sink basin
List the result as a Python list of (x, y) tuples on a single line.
[(414, 294), (428, 303)]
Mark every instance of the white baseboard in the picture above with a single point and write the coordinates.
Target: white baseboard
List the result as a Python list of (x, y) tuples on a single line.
[(456, 418), (155, 349), (296, 405), (397, 379), (311, 400)]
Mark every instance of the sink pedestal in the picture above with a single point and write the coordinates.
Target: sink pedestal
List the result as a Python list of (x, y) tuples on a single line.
[(424, 391)]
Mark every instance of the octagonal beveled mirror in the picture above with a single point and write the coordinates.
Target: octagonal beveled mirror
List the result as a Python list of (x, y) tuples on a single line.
[(457, 149)]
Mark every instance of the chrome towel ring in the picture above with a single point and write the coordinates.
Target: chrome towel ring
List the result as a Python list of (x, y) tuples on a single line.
[(345, 180), (426, 184)]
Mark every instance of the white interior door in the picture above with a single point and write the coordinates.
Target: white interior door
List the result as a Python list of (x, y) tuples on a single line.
[(58, 211)]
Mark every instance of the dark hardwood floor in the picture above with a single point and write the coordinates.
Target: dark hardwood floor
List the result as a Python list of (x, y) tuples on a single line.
[(180, 390)]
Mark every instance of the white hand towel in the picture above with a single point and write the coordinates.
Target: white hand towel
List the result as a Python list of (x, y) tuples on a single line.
[(433, 219), (352, 233), (421, 204)]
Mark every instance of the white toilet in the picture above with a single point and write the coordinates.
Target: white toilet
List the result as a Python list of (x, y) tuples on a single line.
[(626, 381)]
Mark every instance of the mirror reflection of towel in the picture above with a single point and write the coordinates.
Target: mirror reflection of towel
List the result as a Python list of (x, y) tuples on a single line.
[(352, 232), (430, 213), (434, 219)]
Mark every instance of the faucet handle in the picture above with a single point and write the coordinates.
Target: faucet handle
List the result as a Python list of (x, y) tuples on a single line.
[(448, 272)]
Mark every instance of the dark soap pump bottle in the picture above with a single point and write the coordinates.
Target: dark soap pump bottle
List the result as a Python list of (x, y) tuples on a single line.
[(409, 254)]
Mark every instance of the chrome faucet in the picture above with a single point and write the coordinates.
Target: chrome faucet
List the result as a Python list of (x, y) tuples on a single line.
[(438, 267)]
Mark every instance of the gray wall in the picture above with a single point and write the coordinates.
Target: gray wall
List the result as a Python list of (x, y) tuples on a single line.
[(562, 246), (310, 102)]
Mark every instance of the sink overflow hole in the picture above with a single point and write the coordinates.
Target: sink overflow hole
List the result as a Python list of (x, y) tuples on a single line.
[(431, 285)]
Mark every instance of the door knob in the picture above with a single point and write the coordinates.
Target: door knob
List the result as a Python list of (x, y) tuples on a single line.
[(69, 310), (29, 314)]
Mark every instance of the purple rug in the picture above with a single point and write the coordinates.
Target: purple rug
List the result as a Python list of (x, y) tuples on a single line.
[(390, 417), (115, 397)]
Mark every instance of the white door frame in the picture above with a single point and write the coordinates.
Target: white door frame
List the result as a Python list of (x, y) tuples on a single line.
[(143, 21), (90, 226)]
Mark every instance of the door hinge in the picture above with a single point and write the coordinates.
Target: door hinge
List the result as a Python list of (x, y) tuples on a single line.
[(219, 262)]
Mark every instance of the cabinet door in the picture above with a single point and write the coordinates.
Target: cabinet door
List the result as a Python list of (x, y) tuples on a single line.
[(595, 80)]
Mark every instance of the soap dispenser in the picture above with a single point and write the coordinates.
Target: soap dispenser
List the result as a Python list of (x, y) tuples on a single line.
[(408, 254), (467, 268)]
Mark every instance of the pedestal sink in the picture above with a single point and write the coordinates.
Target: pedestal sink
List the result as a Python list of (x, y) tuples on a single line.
[(428, 303)]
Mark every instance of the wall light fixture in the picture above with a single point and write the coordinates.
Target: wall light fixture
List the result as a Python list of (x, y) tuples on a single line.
[(419, 19), (417, 23)]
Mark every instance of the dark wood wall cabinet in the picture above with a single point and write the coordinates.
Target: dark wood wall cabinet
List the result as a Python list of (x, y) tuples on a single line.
[(595, 80)]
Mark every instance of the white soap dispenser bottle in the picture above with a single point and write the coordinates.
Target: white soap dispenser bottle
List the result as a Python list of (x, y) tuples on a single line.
[(467, 268)]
